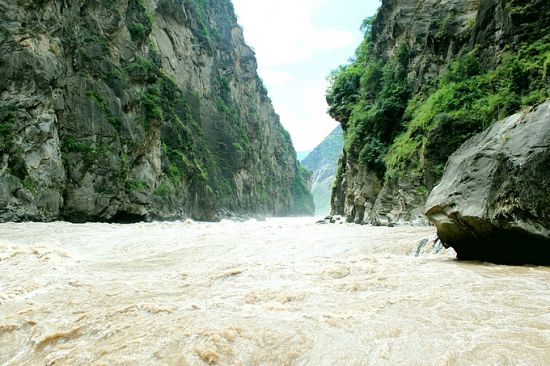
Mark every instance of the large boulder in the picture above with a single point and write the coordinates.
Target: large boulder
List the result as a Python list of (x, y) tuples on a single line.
[(493, 202)]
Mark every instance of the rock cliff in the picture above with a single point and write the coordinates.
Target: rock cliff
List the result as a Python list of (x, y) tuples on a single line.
[(123, 110), (493, 202), (429, 75), (322, 162)]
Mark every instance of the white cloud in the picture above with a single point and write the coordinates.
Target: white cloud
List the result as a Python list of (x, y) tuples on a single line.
[(289, 46), (305, 117), (283, 32), (277, 77)]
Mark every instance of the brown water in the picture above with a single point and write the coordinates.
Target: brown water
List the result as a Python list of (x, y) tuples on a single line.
[(280, 292)]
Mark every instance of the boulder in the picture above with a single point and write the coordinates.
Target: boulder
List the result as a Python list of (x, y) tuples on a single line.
[(493, 202)]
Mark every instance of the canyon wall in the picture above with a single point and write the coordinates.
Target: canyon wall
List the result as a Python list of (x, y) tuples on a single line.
[(429, 75), (124, 110)]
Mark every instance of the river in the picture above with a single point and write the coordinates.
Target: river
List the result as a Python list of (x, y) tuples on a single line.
[(275, 292)]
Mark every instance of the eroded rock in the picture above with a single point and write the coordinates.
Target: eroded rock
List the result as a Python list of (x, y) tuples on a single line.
[(493, 202)]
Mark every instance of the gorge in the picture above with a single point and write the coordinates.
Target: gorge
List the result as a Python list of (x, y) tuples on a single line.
[(142, 162)]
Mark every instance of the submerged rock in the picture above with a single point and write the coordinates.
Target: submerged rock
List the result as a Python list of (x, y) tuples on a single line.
[(429, 246), (493, 202)]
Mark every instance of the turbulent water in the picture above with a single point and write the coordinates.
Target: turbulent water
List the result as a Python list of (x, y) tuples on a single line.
[(279, 292)]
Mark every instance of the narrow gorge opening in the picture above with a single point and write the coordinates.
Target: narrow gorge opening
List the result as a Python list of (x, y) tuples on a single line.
[(291, 182)]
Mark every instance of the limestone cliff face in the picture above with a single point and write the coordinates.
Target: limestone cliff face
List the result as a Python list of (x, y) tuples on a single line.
[(126, 110), (450, 63)]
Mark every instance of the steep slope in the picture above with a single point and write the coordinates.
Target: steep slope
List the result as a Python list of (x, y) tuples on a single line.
[(123, 110), (429, 75), (322, 161)]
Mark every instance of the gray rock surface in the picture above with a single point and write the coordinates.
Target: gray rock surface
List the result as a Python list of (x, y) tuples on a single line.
[(122, 110), (436, 32), (493, 202), (436, 35)]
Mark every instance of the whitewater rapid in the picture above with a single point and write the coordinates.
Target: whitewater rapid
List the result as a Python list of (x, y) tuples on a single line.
[(277, 292)]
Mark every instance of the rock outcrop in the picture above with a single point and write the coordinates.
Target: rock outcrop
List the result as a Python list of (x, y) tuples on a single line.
[(322, 162), (493, 202), (429, 75), (123, 110)]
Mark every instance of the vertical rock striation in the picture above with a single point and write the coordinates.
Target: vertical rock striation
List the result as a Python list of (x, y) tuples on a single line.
[(429, 75), (126, 110)]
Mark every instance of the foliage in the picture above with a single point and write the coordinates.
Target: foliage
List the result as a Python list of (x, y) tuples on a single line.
[(18, 166), (473, 97), (208, 36), (8, 118), (137, 32), (142, 69), (394, 130), (151, 101), (114, 120), (87, 150), (163, 190), (136, 185), (370, 100)]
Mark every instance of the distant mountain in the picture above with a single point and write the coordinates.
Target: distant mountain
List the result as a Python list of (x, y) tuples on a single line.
[(322, 161), (302, 154)]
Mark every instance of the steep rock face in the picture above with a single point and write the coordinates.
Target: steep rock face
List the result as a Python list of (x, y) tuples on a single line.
[(322, 162), (493, 202), (429, 75), (124, 110)]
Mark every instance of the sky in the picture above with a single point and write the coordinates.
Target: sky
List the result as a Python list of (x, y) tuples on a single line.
[(297, 44)]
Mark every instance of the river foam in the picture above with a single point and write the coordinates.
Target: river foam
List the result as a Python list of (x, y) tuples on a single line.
[(277, 292)]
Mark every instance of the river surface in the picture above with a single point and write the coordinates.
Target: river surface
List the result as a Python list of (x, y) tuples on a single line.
[(278, 292)]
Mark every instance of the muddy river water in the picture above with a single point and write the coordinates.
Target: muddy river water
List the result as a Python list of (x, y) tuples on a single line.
[(277, 292)]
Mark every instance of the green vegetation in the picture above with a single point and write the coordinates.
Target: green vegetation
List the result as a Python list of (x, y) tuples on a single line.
[(97, 40), (115, 121), (29, 185), (87, 150), (468, 99), (163, 190), (136, 185), (395, 129), (78, 146), (208, 36), (142, 69), (370, 101), (8, 119), (151, 101), (111, 5), (18, 166), (228, 111), (137, 32), (121, 83)]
